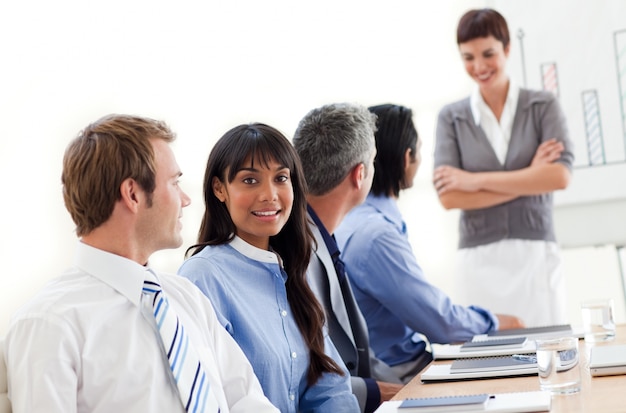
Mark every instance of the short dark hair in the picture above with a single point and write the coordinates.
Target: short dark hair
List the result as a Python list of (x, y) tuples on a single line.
[(396, 133), (482, 23)]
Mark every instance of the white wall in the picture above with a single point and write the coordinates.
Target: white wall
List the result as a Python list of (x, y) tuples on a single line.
[(579, 36), (205, 66)]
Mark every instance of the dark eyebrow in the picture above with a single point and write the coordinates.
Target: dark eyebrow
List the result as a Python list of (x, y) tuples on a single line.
[(249, 169)]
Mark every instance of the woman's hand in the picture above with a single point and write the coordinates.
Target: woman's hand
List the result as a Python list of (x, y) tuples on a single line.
[(448, 178), (548, 152)]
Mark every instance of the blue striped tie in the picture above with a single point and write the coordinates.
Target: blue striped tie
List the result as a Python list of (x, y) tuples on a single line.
[(190, 377)]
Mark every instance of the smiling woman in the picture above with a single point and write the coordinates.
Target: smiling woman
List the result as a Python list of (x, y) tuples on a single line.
[(499, 155), (258, 198), (251, 258)]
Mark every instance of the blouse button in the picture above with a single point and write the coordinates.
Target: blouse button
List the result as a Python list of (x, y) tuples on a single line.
[(292, 397), (294, 355), (283, 313)]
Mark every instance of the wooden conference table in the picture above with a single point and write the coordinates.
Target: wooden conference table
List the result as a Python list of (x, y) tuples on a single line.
[(598, 394)]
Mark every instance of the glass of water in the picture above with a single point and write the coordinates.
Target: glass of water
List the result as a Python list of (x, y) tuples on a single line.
[(557, 361), (598, 321)]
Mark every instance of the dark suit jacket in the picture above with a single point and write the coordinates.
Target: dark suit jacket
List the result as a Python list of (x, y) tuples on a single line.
[(361, 362)]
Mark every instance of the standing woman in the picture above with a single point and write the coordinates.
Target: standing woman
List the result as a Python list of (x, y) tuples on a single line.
[(499, 155), (251, 259)]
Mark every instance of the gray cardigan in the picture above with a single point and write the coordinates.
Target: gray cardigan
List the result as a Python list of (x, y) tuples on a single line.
[(463, 144)]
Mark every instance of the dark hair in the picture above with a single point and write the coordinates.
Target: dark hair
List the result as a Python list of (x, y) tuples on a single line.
[(261, 143), (396, 133), (482, 23), (100, 158)]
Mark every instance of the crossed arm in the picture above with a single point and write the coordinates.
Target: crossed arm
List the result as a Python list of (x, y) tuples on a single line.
[(472, 190)]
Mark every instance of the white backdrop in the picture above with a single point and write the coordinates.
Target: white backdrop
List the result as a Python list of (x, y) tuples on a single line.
[(203, 67), (586, 41)]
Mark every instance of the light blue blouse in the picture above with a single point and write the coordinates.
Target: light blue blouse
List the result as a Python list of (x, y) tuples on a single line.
[(392, 291), (247, 288)]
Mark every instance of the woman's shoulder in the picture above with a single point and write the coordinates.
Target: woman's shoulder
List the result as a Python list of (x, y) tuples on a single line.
[(208, 251), (208, 257), (457, 108), (531, 96)]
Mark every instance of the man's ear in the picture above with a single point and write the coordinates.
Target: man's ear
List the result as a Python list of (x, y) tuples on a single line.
[(218, 189), (357, 175), (130, 193)]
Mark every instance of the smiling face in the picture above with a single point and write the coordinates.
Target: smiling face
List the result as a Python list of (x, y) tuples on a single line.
[(485, 61), (259, 200)]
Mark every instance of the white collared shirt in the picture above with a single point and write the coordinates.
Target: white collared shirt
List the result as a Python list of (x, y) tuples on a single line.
[(84, 345), (498, 133)]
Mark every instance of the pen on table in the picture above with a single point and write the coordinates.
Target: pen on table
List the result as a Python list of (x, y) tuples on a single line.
[(525, 357)]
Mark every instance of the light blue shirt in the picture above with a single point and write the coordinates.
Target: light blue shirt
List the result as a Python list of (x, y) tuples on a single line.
[(394, 295), (247, 288)]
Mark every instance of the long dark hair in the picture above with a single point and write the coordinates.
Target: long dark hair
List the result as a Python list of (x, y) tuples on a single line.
[(261, 143)]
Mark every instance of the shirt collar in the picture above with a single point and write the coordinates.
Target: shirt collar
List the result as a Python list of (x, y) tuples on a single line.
[(389, 208), (477, 103), (255, 253), (329, 240), (122, 274)]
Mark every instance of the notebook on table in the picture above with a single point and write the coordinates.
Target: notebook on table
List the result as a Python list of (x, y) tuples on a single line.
[(532, 333), (520, 402), (464, 403), (487, 364), (493, 367), (443, 372), (493, 343), (484, 347), (607, 360)]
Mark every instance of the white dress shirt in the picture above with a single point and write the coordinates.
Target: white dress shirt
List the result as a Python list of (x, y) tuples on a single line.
[(498, 132), (84, 345)]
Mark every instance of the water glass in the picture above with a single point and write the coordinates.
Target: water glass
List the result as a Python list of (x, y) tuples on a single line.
[(598, 321), (557, 361)]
